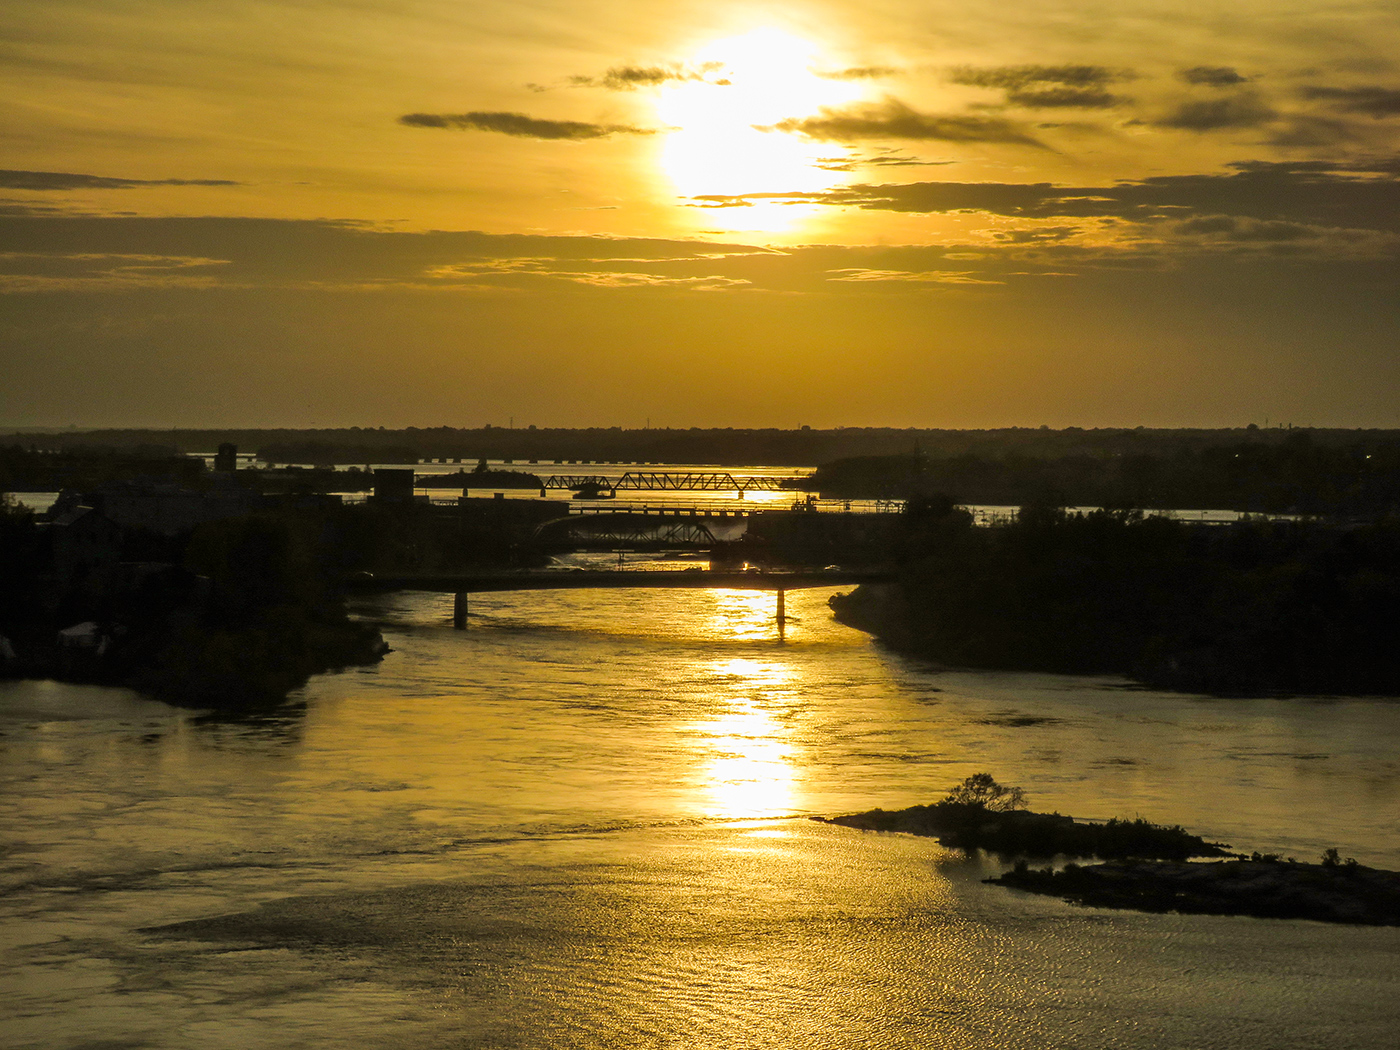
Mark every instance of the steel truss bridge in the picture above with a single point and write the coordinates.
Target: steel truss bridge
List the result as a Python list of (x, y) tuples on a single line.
[(638, 530), (666, 481)]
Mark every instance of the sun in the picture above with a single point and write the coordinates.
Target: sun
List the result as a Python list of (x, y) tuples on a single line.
[(735, 88)]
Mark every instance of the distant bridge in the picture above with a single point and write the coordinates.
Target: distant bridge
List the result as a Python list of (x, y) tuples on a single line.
[(463, 584), (667, 481), (608, 531)]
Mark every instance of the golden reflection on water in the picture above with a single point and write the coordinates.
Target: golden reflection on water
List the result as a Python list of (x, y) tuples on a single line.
[(752, 760), (742, 614)]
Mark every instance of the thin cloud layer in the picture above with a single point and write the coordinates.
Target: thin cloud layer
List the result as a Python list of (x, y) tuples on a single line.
[(856, 73), (1047, 87), (1244, 110), (893, 119), (59, 181), (1212, 76), (520, 125), (1015, 78), (1316, 194), (629, 78), (1371, 100)]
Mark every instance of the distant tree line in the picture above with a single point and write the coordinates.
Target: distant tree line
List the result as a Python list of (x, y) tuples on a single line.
[(328, 453), (26, 468), (721, 446), (1298, 474)]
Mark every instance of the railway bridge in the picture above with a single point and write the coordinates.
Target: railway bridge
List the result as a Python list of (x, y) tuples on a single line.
[(668, 481)]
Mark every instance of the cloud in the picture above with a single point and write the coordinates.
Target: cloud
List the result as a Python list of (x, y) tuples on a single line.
[(893, 119), (856, 73), (1370, 100), (629, 78), (102, 271), (1244, 110), (114, 253), (1315, 193), (1016, 78), (1047, 87), (881, 158), (860, 274), (521, 126), (1229, 227), (1212, 76), (1037, 235), (1310, 131), (606, 279), (63, 180), (1058, 97)]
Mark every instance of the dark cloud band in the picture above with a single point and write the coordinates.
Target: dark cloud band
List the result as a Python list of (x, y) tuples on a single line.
[(1372, 101), (856, 73), (629, 78), (1313, 193), (892, 119), (1244, 110), (521, 126), (1212, 76), (63, 180), (1016, 78)]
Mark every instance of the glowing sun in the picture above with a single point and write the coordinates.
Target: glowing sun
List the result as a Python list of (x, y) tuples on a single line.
[(737, 87)]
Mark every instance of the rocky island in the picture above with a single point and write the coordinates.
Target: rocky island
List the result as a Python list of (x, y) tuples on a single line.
[(1145, 867)]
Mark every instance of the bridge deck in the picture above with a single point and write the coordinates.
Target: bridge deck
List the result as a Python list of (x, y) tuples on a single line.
[(584, 578)]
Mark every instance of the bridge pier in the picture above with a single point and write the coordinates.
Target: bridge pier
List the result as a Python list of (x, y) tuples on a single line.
[(782, 613), (459, 611)]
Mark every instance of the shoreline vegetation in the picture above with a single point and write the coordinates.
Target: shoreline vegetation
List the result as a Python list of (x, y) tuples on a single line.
[(1144, 866), (1282, 607), (231, 615), (1251, 608)]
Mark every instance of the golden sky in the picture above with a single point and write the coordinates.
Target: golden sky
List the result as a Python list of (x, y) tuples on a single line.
[(356, 212)]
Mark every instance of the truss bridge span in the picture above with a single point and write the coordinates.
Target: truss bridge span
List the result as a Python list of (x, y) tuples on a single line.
[(668, 481)]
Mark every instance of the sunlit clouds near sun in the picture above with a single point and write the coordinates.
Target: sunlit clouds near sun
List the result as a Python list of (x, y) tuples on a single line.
[(702, 213), (723, 142)]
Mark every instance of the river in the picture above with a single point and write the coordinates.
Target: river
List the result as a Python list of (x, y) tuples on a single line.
[(583, 823)]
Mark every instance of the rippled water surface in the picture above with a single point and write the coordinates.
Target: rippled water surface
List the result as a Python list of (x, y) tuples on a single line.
[(582, 823)]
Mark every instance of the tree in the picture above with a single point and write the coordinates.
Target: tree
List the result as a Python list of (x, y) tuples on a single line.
[(982, 791)]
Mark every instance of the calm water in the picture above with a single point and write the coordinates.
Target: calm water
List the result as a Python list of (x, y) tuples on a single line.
[(582, 824)]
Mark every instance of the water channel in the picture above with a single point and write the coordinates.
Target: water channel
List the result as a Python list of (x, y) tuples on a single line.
[(583, 823)]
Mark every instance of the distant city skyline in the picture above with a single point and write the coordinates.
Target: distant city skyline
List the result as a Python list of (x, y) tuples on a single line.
[(326, 214)]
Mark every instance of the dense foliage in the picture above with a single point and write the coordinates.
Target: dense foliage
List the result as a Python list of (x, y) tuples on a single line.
[(234, 614), (1253, 607)]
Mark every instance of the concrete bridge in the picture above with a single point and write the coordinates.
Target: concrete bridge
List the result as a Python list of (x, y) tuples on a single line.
[(461, 585)]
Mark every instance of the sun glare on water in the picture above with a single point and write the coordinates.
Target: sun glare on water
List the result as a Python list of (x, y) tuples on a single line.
[(741, 85)]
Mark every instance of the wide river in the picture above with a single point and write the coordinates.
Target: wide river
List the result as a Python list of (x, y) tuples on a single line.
[(583, 823)]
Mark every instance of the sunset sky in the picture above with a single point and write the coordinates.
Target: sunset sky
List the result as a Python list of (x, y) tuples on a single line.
[(595, 212)]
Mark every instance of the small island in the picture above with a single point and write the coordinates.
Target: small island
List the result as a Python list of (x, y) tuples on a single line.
[(1264, 887), (1145, 867)]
